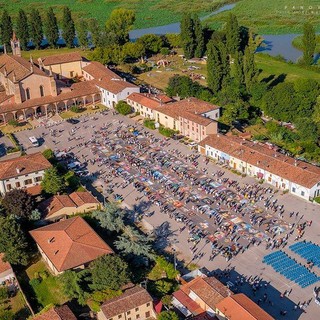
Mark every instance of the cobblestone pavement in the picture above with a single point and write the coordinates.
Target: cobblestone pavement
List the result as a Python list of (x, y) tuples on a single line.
[(244, 265)]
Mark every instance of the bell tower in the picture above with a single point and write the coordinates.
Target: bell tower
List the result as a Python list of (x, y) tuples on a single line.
[(15, 45)]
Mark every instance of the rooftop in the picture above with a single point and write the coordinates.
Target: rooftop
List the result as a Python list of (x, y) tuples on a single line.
[(97, 70), (57, 313), (70, 243), (61, 58), (132, 298), (114, 85), (148, 100), (261, 156), (4, 266), (23, 165), (239, 307)]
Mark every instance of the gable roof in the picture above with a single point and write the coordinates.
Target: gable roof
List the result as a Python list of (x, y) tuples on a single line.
[(57, 313), (149, 100), (73, 200), (132, 298), (261, 156), (239, 307), (208, 289), (61, 58), (97, 70), (18, 67), (114, 85), (4, 266), (70, 243), (26, 164)]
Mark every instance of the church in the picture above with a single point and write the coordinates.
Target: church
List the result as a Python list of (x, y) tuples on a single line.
[(32, 89)]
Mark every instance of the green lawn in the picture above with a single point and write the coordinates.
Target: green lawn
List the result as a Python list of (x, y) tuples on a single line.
[(69, 114), (50, 52), (271, 66), (49, 290), (272, 16)]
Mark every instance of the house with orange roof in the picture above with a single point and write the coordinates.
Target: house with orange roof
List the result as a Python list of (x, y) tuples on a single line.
[(265, 163), (56, 313), (61, 206), (6, 272), (23, 172), (69, 244)]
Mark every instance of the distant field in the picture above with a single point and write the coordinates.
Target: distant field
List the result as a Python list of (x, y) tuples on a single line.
[(149, 13), (273, 16)]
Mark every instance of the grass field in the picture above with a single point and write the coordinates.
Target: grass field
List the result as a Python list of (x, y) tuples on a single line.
[(273, 16), (50, 52), (297, 43), (148, 12)]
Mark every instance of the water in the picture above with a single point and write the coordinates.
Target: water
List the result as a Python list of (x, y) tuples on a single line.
[(272, 44)]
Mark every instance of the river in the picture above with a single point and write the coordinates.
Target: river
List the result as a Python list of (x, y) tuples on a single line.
[(272, 44)]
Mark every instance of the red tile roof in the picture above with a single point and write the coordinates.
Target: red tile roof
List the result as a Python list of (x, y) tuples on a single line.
[(239, 307), (4, 266), (114, 85), (70, 243), (97, 70), (132, 298), (61, 58), (148, 100), (57, 313), (34, 190), (185, 300), (26, 164), (18, 67), (261, 156)]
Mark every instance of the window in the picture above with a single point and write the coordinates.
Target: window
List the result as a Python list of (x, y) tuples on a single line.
[(119, 316), (28, 181), (137, 309), (28, 94), (18, 184), (9, 187), (38, 179), (148, 304), (302, 193), (137, 316), (41, 91), (293, 189), (128, 312), (71, 74), (148, 314)]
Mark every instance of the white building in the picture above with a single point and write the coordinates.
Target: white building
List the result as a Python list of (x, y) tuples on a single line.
[(264, 163), (23, 172)]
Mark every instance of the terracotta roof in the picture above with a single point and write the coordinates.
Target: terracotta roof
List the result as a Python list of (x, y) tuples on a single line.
[(196, 118), (73, 200), (132, 298), (34, 190), (209, 289), (26, 164), (57, 313), (187, 107), (186, 301), (144, 100), (239, 307), (97, 70), (114, 85), (79, 89), (18, 67), (61, 58), (261, 156), (4, 266), (4, 97), (70, 243)]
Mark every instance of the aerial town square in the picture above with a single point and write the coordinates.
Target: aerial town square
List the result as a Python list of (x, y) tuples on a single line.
[(159, 160)]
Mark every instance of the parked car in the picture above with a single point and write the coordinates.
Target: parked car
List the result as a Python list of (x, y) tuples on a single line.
[(73, 121)]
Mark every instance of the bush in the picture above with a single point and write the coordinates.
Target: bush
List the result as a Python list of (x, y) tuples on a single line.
[(149, 124), (48, 154), (34, 282), (165, 51), (3, 294), (76, 109), (167, 132), (13, 123), (317, 199), (123, 108)]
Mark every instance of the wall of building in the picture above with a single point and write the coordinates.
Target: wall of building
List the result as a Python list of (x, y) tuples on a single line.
[(167, 121), (66, 70), (6, 275), (110, 99), (213, 114)]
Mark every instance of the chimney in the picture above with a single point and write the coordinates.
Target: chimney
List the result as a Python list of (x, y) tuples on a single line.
[(31, 67), (4, 49), (5, 72), (14, 77), (295, 163), (50, 71), (31, 60), (18, 170)]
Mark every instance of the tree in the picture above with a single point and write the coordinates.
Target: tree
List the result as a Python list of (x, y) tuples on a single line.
[(119, 24), (23, 29), (187, 36), (69, 31), (18, 202), (13, 242), (173, 39), (232, 34), (109, 272), (48, 154), (199, 37), (131, 242), (123, 108), (307, 129), (133, 50), (52, 182), (51, 28), (36, 28), (111, 218), (35, 215), (214, 67), (238, 72), (168, 315), (82, 32), (95, 31), (6, 28), (249, 67), (151, 42), (308, 43), (6, 314)]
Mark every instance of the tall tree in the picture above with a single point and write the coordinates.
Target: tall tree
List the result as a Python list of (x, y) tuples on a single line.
[(82, 32), (238, 72), (36, 28), (249, 67), (13, 242), (309, 43), (52, 183), (199, 37), (232, 34), (18, 202), (6, 28), (187, 36), (23, 29), (225, 63), (69, 31), (95, 31), (51, 28), (119, 24)]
